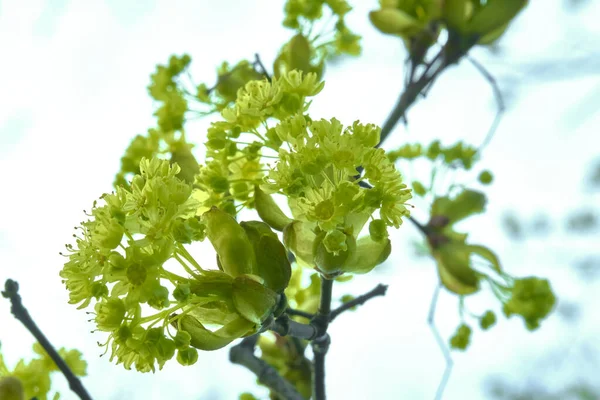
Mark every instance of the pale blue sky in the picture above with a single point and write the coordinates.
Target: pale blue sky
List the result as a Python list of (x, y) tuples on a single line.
[(73, 93)]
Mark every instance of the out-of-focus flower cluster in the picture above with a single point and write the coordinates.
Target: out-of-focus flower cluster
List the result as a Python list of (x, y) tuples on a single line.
[(31, 379)]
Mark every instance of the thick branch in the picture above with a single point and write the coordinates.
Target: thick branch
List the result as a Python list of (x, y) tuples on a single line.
[(11, 291), (284, 326), (320, 344), (379, 290), (243, 354)]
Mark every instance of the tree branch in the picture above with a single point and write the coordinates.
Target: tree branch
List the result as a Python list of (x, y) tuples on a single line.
[(11, 292), (243, 354), (379, 290)]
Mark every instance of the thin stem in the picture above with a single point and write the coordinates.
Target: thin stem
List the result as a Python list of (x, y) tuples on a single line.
[(379, 290), (440, 342), (243, 354), (11, 291), (299, 313)]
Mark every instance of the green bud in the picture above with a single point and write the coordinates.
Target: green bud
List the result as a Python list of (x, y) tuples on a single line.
[(182, 292), (378, 230), (462, 338), (187, 356), (11, 388), (329, 262), (488, 320), (418, 188), (485, 177), (182, 340)]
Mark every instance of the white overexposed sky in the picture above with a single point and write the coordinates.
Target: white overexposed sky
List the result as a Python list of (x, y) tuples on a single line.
[(73, 80)]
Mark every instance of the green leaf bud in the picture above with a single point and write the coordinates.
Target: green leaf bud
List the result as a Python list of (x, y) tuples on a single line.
[(235, 252), (269, 211), (272, 263), (252, 300)]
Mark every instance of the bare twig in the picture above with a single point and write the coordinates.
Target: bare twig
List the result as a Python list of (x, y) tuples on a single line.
[(243, 354), (499, 102), (11, 292), (379, 290), (258, 62)]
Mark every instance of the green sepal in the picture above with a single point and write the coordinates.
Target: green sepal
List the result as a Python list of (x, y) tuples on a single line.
[(272, 262), (394, 21), (455, 270), (487, 254), (181, 153), (330, 263), (299, 239), (299, 53), (455, 14), (467, 203), (217, 284), (493, 15), (203, 339), (269, 211), (368, 255), (229, 239), (252, 300), (493, 35)]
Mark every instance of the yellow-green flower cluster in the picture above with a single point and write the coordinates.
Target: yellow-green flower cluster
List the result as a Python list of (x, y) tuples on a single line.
[(235, 145), (306, 51), (318, 174), (120, 262), (458, 154), (32, 379)]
